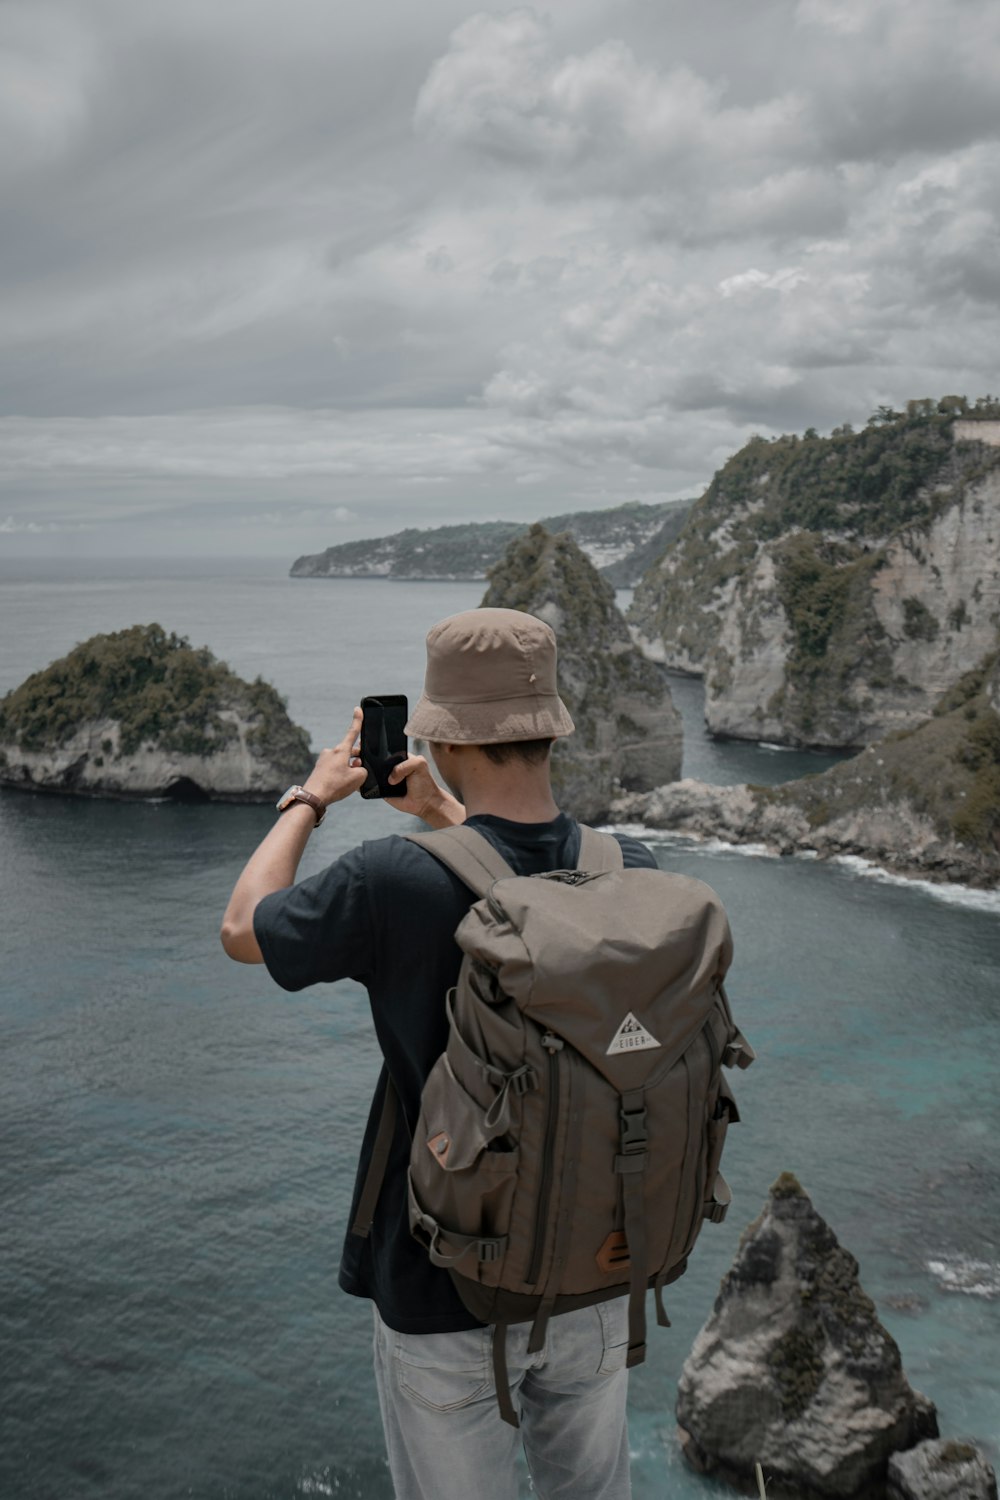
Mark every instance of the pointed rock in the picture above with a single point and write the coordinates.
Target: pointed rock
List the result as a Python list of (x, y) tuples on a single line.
[(628, 732), (794, 1370)]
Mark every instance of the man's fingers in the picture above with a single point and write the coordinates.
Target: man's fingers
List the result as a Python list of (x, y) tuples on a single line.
[(347, 743), (406, 768)]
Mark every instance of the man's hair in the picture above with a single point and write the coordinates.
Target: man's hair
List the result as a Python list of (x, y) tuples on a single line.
[(531, 752)]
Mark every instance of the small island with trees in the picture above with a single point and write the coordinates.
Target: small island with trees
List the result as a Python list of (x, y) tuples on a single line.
[(141, 713)]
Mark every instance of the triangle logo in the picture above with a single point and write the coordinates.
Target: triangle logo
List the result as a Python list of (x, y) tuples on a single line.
[(631, 1036)]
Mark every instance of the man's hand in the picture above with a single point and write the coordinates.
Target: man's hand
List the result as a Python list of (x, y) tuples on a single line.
[(339, 772), (424, 798)]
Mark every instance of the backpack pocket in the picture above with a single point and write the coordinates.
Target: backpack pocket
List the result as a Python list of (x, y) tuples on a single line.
[(463, 1172)]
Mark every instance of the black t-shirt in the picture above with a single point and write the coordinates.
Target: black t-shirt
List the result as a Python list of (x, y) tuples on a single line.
[(385, 915)]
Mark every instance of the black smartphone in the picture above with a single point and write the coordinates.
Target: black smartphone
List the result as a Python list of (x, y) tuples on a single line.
[(383, 743)]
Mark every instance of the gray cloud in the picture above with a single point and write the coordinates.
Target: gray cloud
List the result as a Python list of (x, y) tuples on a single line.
[(291, 261)]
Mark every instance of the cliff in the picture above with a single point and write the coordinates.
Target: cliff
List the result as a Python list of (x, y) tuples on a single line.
[(141, 713), (922, 802), (628, 732), (621, 543), (830, 589), (794, 1370)]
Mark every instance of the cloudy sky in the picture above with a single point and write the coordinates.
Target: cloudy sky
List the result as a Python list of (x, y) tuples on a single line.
[(277, 273)]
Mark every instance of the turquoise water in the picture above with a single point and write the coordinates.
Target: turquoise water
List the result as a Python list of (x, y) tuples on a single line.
[(179, 1135)]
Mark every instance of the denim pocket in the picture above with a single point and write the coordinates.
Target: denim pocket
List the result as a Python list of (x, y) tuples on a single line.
[(444, 1371), (614, 1327)]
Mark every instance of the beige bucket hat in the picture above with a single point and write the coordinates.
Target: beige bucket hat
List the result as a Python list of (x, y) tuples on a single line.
[(491, 679)]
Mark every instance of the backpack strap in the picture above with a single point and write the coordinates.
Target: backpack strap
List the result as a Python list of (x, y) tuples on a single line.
[(466, 853), (631, 1164), (475, 861), (599, 852), (365, 1212)]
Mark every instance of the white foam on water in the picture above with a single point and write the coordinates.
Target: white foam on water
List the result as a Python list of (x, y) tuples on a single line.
[(784, 749), (699, 841), (952, 894), (963, 1273)]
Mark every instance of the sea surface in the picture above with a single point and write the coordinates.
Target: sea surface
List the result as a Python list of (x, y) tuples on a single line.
[(178, 1135)]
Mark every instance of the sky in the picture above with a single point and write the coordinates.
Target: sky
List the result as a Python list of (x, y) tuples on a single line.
[(276, 274)]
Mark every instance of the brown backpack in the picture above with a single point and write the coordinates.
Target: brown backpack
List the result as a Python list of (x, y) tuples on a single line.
[(569, 1138)]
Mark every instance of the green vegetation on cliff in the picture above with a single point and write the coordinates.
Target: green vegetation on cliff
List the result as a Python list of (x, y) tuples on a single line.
[(157, 688), (825, 590)]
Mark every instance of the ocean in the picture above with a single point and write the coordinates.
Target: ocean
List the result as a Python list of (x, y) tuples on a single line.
[(178, 1134)]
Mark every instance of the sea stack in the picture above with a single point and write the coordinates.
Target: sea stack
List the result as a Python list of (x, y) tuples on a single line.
[(628, 732), (793, 1370), (140, 713)]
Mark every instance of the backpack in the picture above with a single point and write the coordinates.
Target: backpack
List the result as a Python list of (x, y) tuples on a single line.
[(568, 1144)]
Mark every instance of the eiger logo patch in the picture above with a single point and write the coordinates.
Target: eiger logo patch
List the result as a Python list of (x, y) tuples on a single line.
[(631, 1036)]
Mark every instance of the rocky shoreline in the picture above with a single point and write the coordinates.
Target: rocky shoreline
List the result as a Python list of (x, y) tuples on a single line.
[(898, 839)]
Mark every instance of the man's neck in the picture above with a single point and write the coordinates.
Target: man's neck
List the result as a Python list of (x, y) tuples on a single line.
[(529, 807)]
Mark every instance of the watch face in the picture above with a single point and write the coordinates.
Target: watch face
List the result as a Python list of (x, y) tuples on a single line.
[(287, 798)]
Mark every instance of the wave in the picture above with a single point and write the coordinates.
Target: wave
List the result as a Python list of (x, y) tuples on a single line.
[(963, 1273), (955, 895), (866, 869)]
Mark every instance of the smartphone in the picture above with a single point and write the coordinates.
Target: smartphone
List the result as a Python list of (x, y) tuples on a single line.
[(383, 743)]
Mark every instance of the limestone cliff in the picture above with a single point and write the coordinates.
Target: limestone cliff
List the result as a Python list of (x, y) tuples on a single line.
[(830, 589), (621, 543), (628, 732), (139, 713), (794, 1370), (922, 802)]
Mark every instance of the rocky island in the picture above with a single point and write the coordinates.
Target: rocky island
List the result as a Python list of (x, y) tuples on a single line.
[(793, 1369), (830, 590), (621, 543), (141, 713), (628, 732)]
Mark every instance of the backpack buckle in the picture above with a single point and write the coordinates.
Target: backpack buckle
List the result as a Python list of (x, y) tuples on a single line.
[(488, 1251), (523, 1080), (633, 1131)]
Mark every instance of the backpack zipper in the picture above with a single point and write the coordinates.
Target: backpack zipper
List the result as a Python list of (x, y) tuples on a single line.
[(553, 1046)]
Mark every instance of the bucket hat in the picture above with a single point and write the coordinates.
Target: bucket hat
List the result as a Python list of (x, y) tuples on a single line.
[(491, 679)]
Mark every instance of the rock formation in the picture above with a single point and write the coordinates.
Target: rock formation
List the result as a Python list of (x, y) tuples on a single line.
[(941, 1469), (830, 589), (139, 713), (925, 801), (793, 1369), (628, 732), (621, 543)]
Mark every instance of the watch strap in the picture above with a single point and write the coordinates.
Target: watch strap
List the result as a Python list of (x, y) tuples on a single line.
[(299, 794)]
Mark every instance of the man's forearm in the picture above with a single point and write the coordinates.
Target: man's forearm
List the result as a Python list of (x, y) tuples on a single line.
[(273, 865), (338, 772)]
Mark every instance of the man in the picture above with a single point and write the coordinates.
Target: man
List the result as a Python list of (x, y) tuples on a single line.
[(385, 915)]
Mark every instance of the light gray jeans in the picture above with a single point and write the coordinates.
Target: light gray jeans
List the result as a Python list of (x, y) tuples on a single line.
[(443, 1432)]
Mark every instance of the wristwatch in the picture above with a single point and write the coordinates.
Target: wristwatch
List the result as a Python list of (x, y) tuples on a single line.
[(299, 794)]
